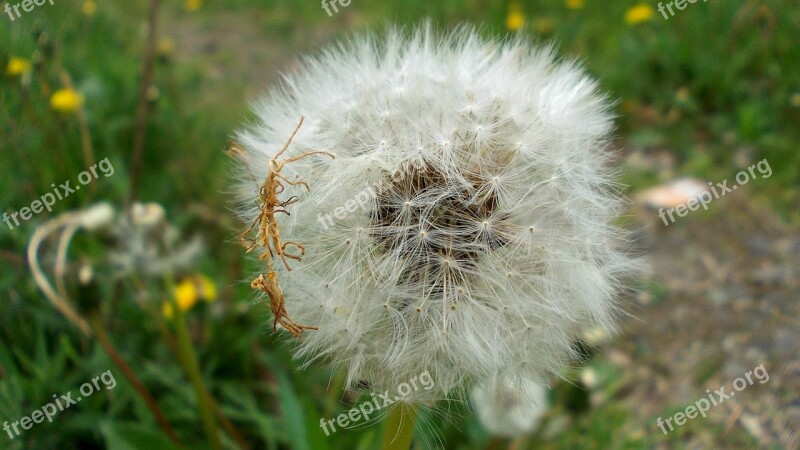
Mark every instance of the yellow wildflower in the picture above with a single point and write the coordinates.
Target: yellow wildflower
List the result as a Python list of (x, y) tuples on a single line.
[(795, 100), (188, 291), (185, 295), (66, 100), (639, 13), (628, 106), (515, 19), (682, 95), (89, 7), (18, 66), (574, 4), (207, 289), (166, 46), (192, 5), (167, 310)]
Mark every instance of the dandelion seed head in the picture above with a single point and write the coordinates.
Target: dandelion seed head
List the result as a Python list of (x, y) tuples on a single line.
[(464, 227), (509, 407)]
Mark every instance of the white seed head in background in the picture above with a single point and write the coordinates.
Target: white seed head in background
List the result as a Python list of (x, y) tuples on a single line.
[(509, 407), (465, 226)]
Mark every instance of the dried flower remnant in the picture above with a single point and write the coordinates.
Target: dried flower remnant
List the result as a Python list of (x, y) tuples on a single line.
[(268, 235), (144, 243), (138, 242), (91, 219)]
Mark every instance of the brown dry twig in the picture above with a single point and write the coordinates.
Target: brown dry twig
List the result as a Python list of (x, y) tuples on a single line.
[(268, 235), (143, 109), (58, 300)]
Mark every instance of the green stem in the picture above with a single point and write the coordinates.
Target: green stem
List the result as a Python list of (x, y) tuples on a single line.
[(189, 362), (399, 428)]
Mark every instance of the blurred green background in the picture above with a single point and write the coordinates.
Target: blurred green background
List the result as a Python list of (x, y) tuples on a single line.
[(704, 94)]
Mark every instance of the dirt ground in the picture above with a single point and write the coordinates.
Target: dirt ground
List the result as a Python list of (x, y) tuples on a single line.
[(727, 302)]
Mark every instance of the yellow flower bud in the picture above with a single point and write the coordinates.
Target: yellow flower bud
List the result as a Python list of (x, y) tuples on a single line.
[(515, 20), (88, 8), (66, 100), (574, 4), (186, 295), (208, 290), (18, 66), (639, 13), (192, 5)]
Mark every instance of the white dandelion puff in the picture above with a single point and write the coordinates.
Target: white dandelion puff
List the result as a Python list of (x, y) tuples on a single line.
[(464, 227), (508, 407)]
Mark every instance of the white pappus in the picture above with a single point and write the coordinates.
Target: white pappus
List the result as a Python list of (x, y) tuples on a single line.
[(483, 243)]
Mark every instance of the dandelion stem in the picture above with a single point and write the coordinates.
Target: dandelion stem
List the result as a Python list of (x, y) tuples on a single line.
[(188, 359), (399, 428), (83, 126)]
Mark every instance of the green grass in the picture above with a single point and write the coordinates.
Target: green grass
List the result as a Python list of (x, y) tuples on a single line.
[(716, 80)]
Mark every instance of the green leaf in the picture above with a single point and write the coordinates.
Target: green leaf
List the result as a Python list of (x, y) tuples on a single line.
[(292, 414)]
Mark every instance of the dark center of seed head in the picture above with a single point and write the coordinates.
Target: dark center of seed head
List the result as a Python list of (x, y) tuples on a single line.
[(434, 225)]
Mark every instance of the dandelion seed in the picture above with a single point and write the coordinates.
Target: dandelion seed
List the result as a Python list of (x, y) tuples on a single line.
[(147, 245)]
